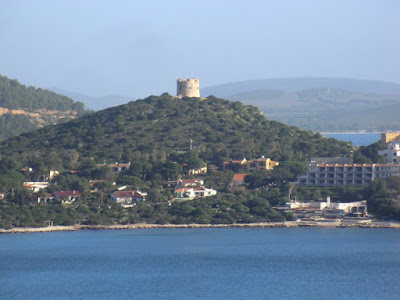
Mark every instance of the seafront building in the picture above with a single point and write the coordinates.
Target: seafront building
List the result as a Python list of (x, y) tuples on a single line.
[(326, 209), (346, 174)]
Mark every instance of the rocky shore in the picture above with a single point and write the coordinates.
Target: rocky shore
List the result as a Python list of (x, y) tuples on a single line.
[(247, 225)]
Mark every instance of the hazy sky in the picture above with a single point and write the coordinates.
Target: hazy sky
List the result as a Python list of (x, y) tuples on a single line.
[(138, 48)]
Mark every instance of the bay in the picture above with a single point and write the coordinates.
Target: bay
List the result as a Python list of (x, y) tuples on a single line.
[(231, 263), (357, 139)]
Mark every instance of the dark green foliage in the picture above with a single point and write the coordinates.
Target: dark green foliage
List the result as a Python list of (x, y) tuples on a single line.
[(384, 198), (219, 129), (369, 154), (13, 125), (155, 135), (14, 95)]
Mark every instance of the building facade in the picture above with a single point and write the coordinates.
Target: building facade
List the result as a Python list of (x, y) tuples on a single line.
[(347, 174), (250, 165), (392, 152)]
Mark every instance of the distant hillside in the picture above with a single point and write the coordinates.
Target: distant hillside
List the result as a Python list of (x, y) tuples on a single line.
[(304, 83), (23, 109), (161, 126), (320, 104), (95, 103)]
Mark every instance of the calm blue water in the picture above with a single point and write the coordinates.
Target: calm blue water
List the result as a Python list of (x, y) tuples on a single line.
[(358, 139), (279, 263)]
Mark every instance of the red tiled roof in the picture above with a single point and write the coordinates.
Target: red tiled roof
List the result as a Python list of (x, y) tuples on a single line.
[(239, 177), (190, 180), (67, 193), (236, 161), (124, 165)]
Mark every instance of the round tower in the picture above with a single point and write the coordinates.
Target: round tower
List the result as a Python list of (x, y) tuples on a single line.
[(188, 87)]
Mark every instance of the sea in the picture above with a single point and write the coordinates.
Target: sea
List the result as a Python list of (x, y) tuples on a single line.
[(208, 263), (357, 139)]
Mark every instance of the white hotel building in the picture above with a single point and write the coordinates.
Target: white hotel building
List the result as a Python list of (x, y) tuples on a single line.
[(346, 174)]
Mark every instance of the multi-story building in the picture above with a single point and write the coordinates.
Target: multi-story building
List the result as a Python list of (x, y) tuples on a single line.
[(346, 174)]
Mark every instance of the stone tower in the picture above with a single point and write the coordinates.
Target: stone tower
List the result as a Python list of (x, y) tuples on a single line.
[(188, 87)]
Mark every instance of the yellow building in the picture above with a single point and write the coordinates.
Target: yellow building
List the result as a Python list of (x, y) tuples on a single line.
[(250, 165), (387, 137)]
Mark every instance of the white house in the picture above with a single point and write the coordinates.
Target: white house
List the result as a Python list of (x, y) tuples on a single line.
[(392, 152), (190, 193), (35, 186), (125, 197)]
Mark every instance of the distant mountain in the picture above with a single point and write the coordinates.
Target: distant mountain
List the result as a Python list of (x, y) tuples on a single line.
[(95, 103), (319, 103), (23, 109), (303, 83)]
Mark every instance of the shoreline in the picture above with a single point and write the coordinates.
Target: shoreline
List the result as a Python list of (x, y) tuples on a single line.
[(350, 132), (288, 224)]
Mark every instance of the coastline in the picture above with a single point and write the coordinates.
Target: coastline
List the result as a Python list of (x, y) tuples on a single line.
[(171, 226), (350, 132)]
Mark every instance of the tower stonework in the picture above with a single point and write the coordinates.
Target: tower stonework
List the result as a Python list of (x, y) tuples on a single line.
[(188, 87)]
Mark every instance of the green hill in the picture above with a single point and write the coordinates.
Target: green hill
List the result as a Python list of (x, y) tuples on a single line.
[(160, 126), (23, 109), (159, 136)]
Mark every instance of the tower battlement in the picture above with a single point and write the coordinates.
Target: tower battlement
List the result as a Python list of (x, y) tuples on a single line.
[(188, 87)]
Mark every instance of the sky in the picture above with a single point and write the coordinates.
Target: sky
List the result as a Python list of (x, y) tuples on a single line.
[(140, 48)]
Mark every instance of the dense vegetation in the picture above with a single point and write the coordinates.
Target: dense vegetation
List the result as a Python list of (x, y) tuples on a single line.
[(16, 96), (156, 127), (155, 135)]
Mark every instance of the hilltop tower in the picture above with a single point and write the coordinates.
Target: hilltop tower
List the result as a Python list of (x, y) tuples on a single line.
[(188, 87)]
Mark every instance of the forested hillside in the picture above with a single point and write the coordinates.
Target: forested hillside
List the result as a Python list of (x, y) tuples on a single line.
[(161, 136), (23, 109), (156, 127)]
